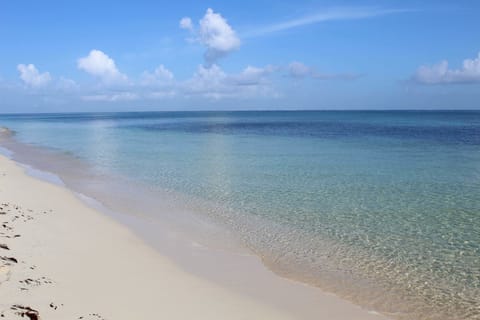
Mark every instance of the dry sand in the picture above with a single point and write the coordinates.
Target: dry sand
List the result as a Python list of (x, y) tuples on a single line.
[(61, 259)]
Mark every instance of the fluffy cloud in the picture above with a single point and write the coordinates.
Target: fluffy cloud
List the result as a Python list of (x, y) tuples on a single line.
[(102, 66), (208, 82), (160, 75), (186, 23), (32, 77), (212, 82), (252, 76), (440, 73), (215, 34)]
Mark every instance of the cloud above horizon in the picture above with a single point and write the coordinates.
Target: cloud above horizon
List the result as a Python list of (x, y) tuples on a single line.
[(100, 65), (441, 74), (208, 82), (215, 34), (299, 70), (213, 83), (32, 77), (160, 75)]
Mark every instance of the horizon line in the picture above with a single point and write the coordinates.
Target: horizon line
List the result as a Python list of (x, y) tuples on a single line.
[(244, 110)]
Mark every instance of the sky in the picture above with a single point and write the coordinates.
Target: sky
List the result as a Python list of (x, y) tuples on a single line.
[(65, 56)]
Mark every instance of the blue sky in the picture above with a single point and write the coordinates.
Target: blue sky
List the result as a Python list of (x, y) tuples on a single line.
[(209, 55)]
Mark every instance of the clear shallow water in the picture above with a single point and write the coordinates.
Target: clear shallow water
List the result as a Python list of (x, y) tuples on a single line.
[(382, 208)]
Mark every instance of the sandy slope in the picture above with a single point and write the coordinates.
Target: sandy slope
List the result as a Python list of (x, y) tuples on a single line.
[(60, 259)]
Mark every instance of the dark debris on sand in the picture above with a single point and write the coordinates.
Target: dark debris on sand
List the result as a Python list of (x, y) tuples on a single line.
[(25, 311), (12, 214)]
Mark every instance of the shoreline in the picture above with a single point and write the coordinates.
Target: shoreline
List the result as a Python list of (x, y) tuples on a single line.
[(132, 278)]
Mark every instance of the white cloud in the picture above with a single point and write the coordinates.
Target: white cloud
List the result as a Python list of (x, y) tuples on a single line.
[(213, 83), (332, 14), (32, 77), (215, 34), (440, 73), (102, 66), (161, 75), (251, 76), (186, 23), (208, 82), (299, 70)]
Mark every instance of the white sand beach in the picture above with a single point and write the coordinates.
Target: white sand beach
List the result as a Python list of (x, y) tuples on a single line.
[(61, 259)]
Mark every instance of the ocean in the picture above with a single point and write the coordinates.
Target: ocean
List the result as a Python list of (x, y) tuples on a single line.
[(379, 207)]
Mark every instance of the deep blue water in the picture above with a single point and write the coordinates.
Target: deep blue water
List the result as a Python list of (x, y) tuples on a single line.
[(381, 207)]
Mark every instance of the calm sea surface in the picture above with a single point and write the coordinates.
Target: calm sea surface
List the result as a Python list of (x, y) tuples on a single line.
[(382, 208)]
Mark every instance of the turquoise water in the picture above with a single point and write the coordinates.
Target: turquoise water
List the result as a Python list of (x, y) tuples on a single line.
[(382, 208)]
